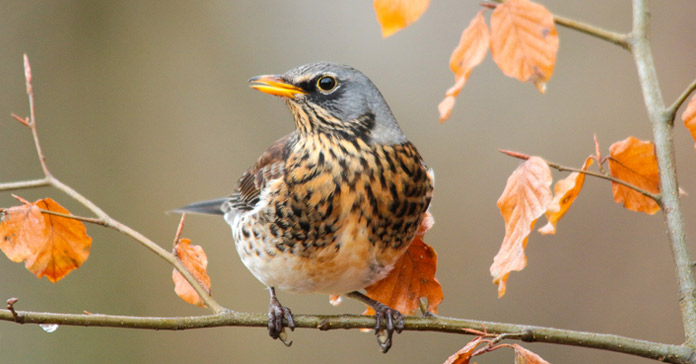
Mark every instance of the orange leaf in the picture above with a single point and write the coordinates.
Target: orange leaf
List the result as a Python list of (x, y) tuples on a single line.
[(393, 15), (412, 277), (524, 356), (194, 259), (19, 226), (463, 356), (634, 161), (49, 245), (524, 41), (564, 193), (471, 50), (524, 200), (689, 116)]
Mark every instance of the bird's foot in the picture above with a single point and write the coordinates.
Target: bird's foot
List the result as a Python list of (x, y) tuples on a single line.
[(388, 320), (276, 314)]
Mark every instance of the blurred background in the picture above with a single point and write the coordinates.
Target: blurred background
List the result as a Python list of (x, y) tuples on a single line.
[(143, 106)]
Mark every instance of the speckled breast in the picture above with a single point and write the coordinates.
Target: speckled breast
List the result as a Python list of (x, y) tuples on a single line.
[(338, 218)]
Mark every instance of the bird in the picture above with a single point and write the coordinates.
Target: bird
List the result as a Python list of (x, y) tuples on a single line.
[(331, 206)]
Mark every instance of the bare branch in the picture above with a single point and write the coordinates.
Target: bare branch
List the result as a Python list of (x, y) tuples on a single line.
[(672, 110), (647, 349), (662, 126)]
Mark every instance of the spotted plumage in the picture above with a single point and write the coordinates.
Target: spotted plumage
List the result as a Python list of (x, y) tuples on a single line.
[(330, 207)]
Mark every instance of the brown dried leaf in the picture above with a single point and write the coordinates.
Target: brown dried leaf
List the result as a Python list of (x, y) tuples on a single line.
[(524, 200), (524, 356), (634, 161), (20, 225), (564, 193), (49, 245), (412, 277), (471, 50), (394, 15), (689, 117), (463, 356), (524, 41), (194, 259)]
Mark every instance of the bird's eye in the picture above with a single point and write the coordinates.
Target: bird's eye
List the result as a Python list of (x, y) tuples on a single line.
[(326, 83)]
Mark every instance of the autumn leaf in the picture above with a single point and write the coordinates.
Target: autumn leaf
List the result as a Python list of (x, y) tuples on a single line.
[(49, 245), (689, 117), (471, 50), (194, 259), (634, 161), (463, 356), (524, 356), (564, 193), (524, 200), (524, 41), (412, 277), (393, 15)]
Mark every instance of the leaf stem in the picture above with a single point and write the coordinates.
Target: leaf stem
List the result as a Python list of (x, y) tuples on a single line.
[(642, 348), (662, 121)]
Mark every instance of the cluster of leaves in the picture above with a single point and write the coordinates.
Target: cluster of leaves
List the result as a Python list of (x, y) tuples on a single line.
[(522, 39)]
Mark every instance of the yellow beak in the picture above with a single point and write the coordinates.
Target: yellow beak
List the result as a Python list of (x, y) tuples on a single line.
[(274, 85)]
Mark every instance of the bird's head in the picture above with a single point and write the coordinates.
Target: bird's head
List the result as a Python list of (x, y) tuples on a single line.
[(336, 99)]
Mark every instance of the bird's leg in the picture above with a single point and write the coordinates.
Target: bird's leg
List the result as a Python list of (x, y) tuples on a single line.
[(393, 320), (276, 314)]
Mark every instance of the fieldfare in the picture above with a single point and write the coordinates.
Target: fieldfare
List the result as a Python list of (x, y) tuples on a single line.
[(330, 207)]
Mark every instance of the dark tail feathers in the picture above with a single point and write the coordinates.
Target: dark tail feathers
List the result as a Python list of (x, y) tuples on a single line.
[(213, 207)]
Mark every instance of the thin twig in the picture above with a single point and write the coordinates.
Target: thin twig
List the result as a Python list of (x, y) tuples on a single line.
[(642, 348), (91, 220), (32, 117), (102, 217), (20, 185), (672, 110), (662, 126), (619, 39), (654, 196)]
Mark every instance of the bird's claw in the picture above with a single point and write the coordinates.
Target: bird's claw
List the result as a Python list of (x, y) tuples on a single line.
[(276, 314), (393, 321)]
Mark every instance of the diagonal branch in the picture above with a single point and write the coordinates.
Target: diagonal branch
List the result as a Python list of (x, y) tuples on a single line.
[(621, 344), (672, 110)]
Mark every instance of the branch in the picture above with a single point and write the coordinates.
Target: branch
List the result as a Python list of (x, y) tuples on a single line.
[(672, 110), (102, 218), (662, 121), (619, 39), (607, 177), (647, 349)]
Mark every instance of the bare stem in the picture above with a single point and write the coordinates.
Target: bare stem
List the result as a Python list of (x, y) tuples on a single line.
[(621, 344), (21, 185), (672, 110), (662, 121), (619, 39)]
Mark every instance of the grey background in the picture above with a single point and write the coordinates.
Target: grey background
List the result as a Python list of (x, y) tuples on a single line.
[(143, 106)]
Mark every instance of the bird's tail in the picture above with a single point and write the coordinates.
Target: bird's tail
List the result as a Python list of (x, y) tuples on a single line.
[(212, 207)]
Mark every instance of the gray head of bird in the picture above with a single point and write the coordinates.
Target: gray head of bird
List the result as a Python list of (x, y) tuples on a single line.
[(334, 98)]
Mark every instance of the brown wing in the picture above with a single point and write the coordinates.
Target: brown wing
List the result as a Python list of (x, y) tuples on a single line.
[(270, 165)]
